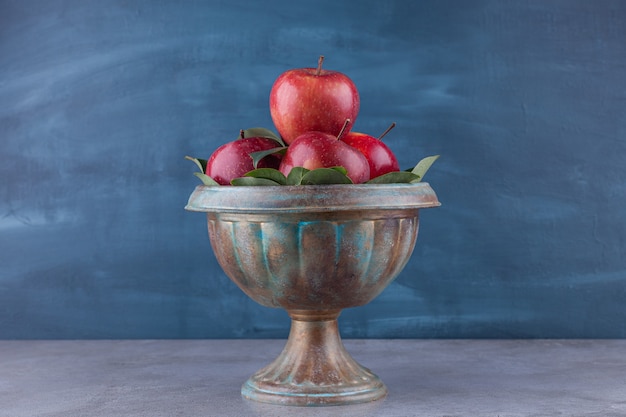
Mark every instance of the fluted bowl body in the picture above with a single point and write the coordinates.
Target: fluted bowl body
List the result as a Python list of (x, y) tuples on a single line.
[(326, 247)]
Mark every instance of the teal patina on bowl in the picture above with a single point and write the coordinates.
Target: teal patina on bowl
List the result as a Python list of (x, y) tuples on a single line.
[(313, 251)]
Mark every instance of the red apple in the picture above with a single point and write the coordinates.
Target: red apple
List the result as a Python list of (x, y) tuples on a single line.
[(380, 158), (313, 150), (233, 160), (312, 99)]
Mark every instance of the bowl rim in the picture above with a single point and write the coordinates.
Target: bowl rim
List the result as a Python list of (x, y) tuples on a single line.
[(311, 198)]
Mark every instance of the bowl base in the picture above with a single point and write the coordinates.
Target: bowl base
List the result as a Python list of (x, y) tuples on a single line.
[(295, 395), (314, 368)]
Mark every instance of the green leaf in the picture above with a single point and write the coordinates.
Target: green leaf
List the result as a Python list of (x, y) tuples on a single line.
[(340, 169), (201, 163), (252, 181), (206, 180), (321, 176), (396, 177), (257, 156), (295, 175), (261, 132), (268, 173), (422, 166)]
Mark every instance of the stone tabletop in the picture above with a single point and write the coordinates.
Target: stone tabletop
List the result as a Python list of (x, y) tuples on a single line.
[(494, 378)]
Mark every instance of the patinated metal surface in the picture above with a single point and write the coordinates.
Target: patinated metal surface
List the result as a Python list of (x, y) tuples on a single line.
[(313, 250), (314, 368), (311, 198)]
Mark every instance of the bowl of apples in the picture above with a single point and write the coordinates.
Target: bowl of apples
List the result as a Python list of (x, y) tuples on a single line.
[(312, 219)]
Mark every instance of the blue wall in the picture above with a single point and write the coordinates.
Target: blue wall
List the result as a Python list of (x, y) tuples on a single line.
[(524, 100)]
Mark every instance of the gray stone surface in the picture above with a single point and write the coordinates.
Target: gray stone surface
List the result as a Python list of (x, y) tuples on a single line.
[(203, 377)]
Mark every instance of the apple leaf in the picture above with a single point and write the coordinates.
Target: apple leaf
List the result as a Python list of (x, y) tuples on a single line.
[(295, 175), (319, 176), (268, 173), (206, 180), (261, 132), (396, 177), (422, 167), (257, 156), (201, 163), (252, 181), (340, 169)]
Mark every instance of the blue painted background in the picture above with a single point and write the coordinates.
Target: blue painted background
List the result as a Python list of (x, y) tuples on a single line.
[(524, 100)]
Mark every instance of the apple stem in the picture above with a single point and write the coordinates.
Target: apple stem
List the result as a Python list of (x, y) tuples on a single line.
[(343, 128), (387, 131), (319, 65), (241, 134)]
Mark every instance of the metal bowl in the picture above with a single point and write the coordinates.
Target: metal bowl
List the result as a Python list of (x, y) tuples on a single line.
[(313, 251)]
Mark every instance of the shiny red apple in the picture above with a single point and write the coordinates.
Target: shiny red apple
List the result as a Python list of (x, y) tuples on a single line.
[(312, 99), (380, 158), (233, 160), (313, 150)]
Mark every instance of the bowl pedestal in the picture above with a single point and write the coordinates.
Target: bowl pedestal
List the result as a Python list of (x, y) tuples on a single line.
[(314, 368)]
